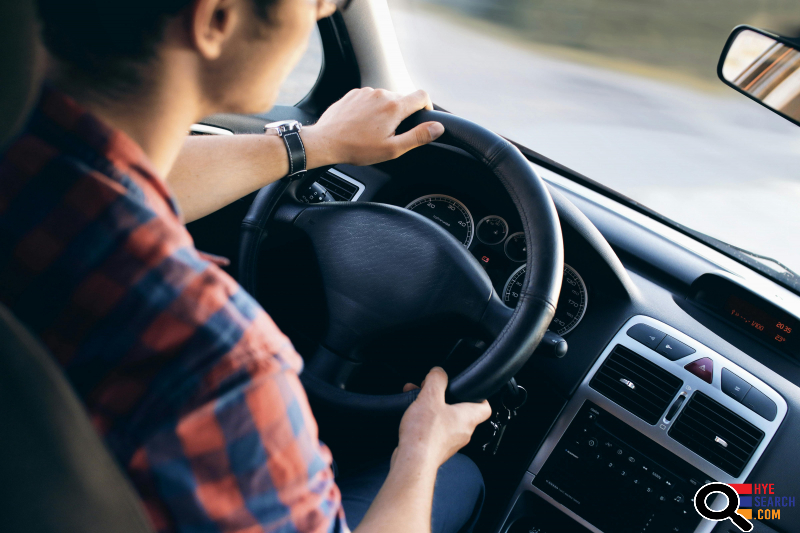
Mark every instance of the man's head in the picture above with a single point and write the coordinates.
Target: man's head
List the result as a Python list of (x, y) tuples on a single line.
[(233, 53)]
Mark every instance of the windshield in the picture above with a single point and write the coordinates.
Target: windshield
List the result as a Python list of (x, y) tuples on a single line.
[(626, 93)]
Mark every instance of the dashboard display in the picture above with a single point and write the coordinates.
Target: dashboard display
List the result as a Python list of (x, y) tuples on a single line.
[(492, 230), (572, 299), (449, 213), (779, 332)]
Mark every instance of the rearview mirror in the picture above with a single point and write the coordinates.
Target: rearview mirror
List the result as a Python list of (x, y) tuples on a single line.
[(764, 67)]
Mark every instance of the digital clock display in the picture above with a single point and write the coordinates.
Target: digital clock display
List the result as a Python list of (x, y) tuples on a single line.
[(779, 332)]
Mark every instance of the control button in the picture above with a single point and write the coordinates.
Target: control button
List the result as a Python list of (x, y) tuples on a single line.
[(678, 498), (673, 349), (703, 368), (683, 512), (758, 402), (733, 385), (592, 442), (647, 335)]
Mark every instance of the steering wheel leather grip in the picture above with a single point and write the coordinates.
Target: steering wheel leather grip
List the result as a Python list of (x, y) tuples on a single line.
[(545, 249), (384, 267)]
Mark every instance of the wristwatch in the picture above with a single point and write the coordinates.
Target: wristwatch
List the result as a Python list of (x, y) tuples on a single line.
[(289, 131)]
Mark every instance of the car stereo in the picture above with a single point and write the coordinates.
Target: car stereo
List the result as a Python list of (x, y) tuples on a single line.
[(657, 416), (601, 466)]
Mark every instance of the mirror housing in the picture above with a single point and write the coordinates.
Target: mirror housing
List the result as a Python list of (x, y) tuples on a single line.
[(764, 67)]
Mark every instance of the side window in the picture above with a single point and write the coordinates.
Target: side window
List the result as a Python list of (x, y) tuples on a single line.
[(305, 73)]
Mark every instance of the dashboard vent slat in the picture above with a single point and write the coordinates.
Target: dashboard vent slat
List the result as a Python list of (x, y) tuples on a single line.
[(341, 190), (705, 423), (640, 386)]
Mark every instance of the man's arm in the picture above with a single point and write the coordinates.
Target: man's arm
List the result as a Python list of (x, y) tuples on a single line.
[(213, 171)]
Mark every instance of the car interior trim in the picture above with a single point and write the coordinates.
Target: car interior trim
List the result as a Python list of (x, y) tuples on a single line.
[(691, 383), (659, 432), (205, 129), (352, 181)]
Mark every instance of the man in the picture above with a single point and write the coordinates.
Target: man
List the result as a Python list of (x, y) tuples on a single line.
[(190, 383)]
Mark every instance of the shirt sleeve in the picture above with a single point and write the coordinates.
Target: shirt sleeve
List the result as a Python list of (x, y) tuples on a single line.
[(247, 460)]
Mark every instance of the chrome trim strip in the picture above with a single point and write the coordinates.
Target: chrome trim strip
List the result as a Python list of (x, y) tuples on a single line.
[(348, 179), (205, 129), (658, 433)]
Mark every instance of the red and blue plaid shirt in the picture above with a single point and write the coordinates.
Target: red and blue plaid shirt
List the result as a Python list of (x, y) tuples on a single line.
[(190, 383)]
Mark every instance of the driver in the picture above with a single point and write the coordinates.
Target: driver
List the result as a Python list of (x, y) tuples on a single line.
[(190, 383)]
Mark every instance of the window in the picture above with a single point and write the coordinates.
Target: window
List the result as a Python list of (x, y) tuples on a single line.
[(625, 92), (305, 73)]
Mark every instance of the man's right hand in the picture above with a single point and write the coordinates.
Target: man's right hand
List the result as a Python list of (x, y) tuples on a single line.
[(431, 430)]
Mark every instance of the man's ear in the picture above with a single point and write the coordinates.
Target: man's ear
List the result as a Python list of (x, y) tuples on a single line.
[(212, 24)]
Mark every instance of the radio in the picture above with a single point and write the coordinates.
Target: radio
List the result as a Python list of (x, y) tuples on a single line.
[(619, 480)]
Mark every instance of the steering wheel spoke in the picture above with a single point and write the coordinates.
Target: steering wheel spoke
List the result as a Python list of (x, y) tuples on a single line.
[(495, 317), (330, 367)]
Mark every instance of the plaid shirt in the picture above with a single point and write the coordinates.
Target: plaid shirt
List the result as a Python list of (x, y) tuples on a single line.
[(190, 383)]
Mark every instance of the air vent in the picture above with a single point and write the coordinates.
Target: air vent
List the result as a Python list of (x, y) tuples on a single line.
[(643, 388), (716, 434), (343, 188)]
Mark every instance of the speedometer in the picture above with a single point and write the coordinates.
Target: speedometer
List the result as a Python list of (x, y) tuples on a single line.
[(572, 299), (449, 213)]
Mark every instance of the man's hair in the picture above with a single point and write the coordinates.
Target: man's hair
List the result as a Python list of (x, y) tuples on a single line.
[(106, 40)]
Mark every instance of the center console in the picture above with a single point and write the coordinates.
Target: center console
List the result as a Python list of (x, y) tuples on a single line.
[(658, 416)]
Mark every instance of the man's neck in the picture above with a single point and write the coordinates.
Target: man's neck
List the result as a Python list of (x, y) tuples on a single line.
[(157, 118)]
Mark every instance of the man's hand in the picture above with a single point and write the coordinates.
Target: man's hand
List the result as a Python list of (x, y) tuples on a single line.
[(359, 128), (431, 431), (214, 170)]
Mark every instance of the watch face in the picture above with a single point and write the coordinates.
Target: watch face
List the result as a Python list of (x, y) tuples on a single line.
[(282, 126)]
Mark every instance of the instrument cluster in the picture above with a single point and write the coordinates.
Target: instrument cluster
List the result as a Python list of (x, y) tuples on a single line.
[(502, 253)]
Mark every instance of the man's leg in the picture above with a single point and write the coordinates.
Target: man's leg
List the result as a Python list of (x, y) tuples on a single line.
[(457, 498)]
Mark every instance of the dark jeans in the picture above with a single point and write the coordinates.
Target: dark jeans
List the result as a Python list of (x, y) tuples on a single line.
[(457, 498)]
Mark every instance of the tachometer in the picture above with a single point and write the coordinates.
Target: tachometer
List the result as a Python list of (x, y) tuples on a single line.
[(571, 301), (449, 213)]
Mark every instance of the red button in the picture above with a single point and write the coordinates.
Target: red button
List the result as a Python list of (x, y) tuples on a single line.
[(702, 368)]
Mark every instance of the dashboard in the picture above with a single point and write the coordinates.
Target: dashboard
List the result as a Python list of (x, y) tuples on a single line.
[(724, 342)]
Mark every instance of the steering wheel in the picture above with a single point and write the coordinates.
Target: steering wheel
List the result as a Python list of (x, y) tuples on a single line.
[(385, 267)]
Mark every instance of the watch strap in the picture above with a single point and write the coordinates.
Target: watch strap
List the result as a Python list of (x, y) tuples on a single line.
[(297, 154)]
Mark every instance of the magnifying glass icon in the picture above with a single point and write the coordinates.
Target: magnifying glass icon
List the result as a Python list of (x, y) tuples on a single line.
[(728, 512)]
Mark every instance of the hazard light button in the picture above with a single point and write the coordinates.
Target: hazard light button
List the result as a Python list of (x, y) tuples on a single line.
[(702, 368)]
